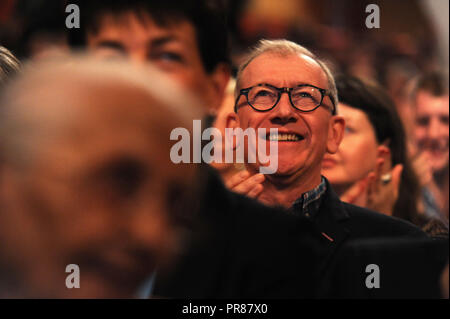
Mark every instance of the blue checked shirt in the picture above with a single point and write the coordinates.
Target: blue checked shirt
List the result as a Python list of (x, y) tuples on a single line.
[(309, 203)]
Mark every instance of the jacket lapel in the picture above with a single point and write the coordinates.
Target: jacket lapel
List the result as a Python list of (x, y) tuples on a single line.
[(330, 222)]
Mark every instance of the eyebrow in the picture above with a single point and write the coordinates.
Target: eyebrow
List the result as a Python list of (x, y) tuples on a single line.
[(111, 44), (295, 85), (154, 43), (160, 41)]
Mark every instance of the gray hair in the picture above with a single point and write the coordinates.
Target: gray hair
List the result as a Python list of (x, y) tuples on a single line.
[(285, 48), (9, 65)]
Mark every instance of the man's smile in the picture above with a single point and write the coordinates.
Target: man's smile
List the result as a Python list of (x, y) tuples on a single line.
[(284, 137)]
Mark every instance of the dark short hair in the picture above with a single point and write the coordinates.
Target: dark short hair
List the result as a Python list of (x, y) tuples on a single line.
[(373, 101), (380, 109), (39, 18), (9, 65), (433, 82), (207, 16)]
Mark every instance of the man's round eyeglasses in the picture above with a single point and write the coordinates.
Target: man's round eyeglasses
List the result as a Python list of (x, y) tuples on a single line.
[(304, 97)]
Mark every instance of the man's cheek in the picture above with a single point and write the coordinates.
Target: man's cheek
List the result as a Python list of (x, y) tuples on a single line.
[(420, 135), (245, 121)]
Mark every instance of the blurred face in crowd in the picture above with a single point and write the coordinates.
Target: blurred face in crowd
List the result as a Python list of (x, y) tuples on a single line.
[(95, 189), (357, 153), (316, 132), (173, 48), (431, 128)]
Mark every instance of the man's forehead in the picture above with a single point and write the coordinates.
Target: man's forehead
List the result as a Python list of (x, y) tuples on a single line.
[(428, 103), (284, 70), (80, 101)]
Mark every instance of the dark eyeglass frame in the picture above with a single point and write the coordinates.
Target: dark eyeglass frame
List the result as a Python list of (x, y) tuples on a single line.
[(287, 90)]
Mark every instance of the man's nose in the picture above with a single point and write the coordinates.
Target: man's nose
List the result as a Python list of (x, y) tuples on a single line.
[(284, 112), (434, 129), (138, 57), (149, 225)]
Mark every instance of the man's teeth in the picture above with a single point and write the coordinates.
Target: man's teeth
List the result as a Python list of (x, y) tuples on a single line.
[(284, 137)]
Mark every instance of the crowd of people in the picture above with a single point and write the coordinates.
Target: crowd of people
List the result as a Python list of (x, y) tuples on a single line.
[(86, 177)]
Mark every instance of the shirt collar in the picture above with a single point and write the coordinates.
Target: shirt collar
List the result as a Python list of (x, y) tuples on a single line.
[(146, 289), (309, 203)]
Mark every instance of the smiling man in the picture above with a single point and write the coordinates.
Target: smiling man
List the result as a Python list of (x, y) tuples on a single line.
[(430, 104), (304, 116), (284, 86), (431, 110)]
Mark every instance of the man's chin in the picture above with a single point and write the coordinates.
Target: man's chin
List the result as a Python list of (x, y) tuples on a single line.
[(285, 173)]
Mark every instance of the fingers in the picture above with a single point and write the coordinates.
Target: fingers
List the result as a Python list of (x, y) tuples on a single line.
[(422, 168), (254, 193), (374, 178), (381, 196), (237, 179), (371, 184), (245, 184), (396, 179), (355, 192)]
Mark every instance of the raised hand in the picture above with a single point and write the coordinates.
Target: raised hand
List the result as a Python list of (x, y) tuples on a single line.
[(246, 184)]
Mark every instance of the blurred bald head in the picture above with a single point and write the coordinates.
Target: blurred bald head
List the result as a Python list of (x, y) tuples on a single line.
[(57, 96), (85, 173)]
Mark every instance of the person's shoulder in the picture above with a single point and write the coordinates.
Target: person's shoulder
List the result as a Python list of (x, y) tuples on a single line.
[(230, 212), (370, 223), (272, 250), (247, 211)]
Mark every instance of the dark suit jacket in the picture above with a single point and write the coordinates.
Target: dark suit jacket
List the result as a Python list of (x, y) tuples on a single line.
[(240, 249), (405, 268), (343, 222), (354, 237)]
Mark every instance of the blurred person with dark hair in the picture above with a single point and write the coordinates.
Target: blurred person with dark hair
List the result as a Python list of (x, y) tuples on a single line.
[(430, 105), (371, 168), (188, 40), (42, 28), (80, 180), (9, 65), (185, 39)]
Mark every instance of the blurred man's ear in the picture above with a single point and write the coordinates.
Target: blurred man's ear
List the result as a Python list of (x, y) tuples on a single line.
[(335, 133), (219, 81)]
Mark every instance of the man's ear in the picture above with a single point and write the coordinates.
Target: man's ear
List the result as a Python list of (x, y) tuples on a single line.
[(335, 133), (219, 81)]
